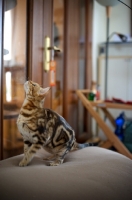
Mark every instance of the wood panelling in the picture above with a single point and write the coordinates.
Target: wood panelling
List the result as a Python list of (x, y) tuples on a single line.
[(37, 42), (88, 46), (47, 31), (1, 76), (71, 61), (42, 26), (88, 59)]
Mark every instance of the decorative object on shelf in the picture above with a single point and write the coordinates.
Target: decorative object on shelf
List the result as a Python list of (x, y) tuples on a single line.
[(98, 92), (123, 37), (91, 96), (93, 91), (119, 131)]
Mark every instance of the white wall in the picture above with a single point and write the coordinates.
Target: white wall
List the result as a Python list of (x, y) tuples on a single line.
[(119, 22)]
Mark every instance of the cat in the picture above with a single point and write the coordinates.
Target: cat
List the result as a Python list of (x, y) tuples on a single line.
[(41, 127)]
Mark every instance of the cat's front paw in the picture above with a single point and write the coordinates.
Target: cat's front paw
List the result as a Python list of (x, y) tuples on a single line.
[(23, 163)]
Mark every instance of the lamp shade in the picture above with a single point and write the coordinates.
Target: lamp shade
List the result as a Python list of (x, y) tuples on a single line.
[(108, 2), (9, 4)]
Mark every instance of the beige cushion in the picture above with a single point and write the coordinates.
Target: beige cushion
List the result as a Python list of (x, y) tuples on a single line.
[(89, 174)]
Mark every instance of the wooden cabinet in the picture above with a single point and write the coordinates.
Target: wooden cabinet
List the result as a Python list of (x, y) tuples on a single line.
[(39, 19)]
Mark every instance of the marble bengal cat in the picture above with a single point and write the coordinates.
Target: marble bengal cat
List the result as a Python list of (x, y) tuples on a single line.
[(41, 127)]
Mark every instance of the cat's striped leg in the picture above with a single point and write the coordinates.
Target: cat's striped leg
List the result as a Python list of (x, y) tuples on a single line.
[(60, 155), (27, 145), (29, 154)]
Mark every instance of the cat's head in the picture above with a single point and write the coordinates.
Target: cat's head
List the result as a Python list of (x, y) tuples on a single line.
[(34, 91)]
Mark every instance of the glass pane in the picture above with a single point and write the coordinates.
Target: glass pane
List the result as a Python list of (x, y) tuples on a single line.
[(58, 25), (14, 74)]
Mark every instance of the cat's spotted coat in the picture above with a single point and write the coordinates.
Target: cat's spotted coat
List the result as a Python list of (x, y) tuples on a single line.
[(42, 127)]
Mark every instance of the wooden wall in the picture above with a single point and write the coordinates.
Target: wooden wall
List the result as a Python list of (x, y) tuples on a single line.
[(71, 61)]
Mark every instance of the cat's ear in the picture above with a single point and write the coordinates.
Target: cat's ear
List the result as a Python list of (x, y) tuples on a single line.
[(43, 91)]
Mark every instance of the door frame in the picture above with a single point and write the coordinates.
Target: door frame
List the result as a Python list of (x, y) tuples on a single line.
[(1, 76)]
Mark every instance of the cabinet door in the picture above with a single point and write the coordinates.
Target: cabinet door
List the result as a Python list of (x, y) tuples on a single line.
[(68, 23)]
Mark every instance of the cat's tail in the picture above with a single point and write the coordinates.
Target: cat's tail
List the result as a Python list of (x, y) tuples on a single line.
[(81, 146)]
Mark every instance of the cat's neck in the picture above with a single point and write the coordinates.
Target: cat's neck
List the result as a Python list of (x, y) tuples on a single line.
[(32, 103)]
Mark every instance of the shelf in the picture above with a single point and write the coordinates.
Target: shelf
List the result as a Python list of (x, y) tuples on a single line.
[(103, 104), (112, 139)]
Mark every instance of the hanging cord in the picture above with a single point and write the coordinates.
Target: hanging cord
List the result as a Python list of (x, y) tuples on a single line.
[(125, 4)]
